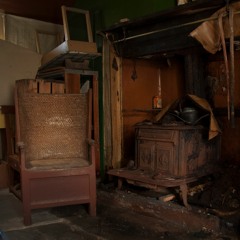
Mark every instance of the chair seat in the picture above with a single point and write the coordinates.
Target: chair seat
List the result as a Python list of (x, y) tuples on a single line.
[(48, 164)]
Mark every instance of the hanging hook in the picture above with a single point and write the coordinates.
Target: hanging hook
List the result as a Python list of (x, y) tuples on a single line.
[(134, 72)]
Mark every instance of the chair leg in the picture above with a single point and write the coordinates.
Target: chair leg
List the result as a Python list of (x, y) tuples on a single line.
[(93, 195), (27, 220), (92, 209)]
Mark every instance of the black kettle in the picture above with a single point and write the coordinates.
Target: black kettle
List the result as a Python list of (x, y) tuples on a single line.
[(189, 115)]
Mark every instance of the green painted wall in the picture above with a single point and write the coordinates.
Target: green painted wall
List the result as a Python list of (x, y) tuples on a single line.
[(110, 12)]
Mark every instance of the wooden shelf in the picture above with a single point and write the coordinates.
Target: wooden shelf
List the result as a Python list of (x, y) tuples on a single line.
[(59, 72)]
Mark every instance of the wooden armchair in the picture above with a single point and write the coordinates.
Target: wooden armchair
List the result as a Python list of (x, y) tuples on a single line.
[(56, 153)]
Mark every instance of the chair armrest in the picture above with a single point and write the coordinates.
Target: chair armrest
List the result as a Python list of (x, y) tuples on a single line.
[(20, 146), (90, 142)]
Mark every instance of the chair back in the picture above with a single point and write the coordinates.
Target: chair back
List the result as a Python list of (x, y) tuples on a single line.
[(53, 126)]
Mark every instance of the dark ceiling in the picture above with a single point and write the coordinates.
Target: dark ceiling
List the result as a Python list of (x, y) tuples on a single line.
[(44, 10)]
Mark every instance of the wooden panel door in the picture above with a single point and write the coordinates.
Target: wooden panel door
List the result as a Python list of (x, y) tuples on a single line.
[(166, 158), (146, 155)]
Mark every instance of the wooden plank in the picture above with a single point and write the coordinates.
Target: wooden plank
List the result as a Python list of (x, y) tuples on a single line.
[(83, 47), (58, 87), (33, 86), (96, 121), (44, 87), (10, 133), (90, 114), (26, 85), (72, 82), (89, 28), (65, 23), (116, 107), (107, 104), (140, 177), (167, 197), (19, 83)]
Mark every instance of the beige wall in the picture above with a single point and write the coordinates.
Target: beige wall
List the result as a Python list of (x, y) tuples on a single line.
[(2, 25), (15, 63)]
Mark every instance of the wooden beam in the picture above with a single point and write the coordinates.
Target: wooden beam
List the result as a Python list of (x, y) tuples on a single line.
[(107, 105), (116, 106)]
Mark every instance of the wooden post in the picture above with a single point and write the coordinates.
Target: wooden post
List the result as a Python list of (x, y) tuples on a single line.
[(96, 122), (72, 82), (116, 108), (107, 105)]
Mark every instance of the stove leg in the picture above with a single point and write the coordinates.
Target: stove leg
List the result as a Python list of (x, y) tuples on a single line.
[(120, 182), (184, 191)]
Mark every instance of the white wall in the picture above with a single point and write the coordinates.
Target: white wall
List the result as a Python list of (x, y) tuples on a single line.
[(15, 63), (27, 32)]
